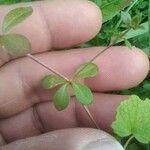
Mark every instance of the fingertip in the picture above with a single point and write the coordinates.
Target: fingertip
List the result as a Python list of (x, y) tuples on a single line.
[(76, 138), (81, 24), (135, 66), (120, 68), (139, 66), (97, 17)]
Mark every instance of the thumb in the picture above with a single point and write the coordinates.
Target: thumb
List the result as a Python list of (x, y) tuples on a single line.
[(68, 139)]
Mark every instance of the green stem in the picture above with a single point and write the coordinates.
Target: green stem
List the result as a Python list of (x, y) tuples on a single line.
[(128, 141)]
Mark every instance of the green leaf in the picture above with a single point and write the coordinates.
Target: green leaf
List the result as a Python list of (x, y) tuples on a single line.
[(61, 98), (83, 93), (13, 1), (51, 81), (133, 118), (15, 45), (87, 70), (138, 32), (136, 20), (146, 86), (126, 18), (113, 8), (15, 16), (133, 146)]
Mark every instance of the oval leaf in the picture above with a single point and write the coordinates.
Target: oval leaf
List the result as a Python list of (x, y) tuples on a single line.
[(15, 45), (87, 70), (126, 18), (15, 16), (83, 93), (51, 81), (61, 98)]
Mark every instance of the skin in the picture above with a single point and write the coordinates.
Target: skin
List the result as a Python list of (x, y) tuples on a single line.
[(26, 110)]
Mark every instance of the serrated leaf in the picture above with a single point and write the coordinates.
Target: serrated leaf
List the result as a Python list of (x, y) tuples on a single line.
[(133, 118), (126, 18), (51, 81), (87, 70), (15, 45), (61, 98), (15, 16), (82, 93)]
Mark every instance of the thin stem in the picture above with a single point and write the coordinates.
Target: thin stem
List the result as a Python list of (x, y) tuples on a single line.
[(91, 116), (45, 66), (99, 53), (122, 35), (96, 56), (128, 141)]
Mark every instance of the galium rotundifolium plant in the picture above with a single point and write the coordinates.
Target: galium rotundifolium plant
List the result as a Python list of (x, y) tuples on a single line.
[(18, 45), (133, 115)]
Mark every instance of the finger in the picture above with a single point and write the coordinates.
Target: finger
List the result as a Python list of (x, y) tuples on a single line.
[(69, 139), (44, 117), (57, 24), (20, 87)]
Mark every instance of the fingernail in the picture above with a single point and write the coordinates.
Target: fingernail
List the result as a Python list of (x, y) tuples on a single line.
[(104, 144)]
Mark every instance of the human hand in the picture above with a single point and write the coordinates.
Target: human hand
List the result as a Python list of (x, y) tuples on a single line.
[(26, 109)]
